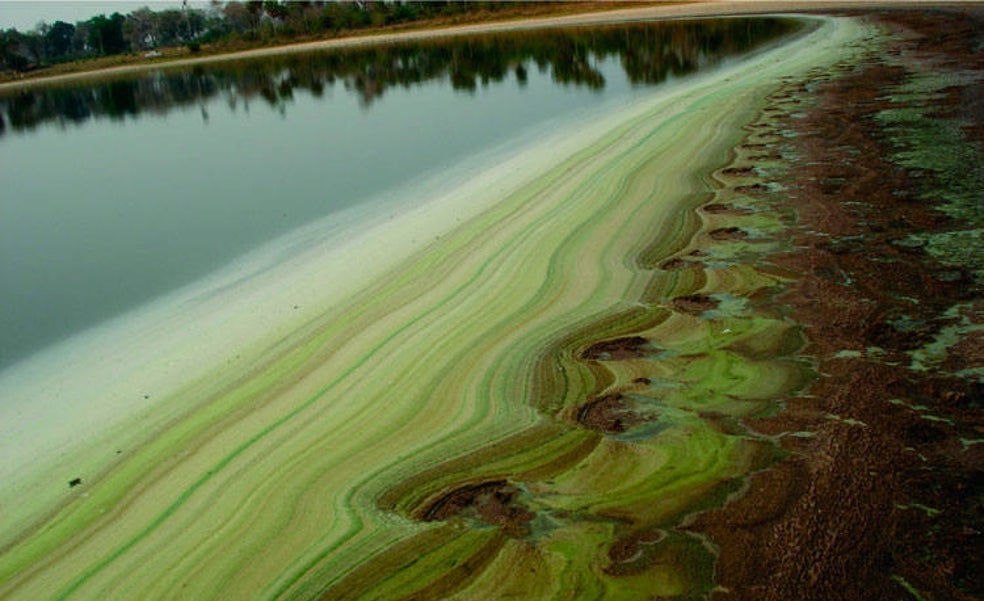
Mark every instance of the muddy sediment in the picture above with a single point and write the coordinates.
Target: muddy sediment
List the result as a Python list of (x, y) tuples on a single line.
[(618, 349), (695, 303), (678, 263), (495, 503), (728, 233), (632, 553), (880, 495), (610, 414)]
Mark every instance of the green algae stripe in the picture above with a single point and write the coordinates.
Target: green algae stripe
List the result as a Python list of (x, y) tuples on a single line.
[(306, 477)]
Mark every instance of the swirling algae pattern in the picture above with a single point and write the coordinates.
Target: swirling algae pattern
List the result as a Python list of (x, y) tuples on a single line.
[(527, 408)]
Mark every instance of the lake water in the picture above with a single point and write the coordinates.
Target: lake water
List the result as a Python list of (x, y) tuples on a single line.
[(117, 192)]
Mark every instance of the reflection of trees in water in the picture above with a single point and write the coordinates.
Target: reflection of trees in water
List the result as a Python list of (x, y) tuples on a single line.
[(649, 54)]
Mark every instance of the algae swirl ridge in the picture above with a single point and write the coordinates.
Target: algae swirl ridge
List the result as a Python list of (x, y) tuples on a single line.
[(519, 409)]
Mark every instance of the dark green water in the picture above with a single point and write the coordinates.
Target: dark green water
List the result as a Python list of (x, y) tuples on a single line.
[(117, 192)]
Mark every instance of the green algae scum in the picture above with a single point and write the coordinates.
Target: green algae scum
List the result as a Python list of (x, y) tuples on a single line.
[(535, 403)]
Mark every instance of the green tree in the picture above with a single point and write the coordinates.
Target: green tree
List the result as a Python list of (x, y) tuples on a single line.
[(58, 40), (10, 55), (255, 10), (237, 17), (32, 46), (140, 29), (106, 34), (172, 27), (276, 10)]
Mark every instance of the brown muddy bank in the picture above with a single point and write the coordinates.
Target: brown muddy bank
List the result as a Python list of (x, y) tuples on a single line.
[(880, 496)]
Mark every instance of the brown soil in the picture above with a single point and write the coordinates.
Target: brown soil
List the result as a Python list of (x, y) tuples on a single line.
[(633, 553), (675, 264), (738, 171), (716, 207), (881, 494), (609, 414), (630, 347), (695, 304), (728, 233), (495, 503), (752, 188)]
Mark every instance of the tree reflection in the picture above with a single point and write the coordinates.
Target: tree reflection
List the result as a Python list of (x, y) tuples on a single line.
[(649, 54)]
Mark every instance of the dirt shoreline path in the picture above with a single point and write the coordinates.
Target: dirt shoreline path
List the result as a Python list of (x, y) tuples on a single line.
[(672, 11)]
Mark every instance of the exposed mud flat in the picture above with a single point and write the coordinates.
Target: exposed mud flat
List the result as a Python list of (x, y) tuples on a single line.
[(880, 496)]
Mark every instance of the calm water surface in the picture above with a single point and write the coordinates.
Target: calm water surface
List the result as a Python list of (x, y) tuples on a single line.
[(116, 192)]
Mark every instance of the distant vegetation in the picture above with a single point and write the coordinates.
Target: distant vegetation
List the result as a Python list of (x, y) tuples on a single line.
[(250, 23)]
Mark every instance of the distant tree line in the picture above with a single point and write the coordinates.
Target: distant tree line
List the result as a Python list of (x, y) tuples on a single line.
[(254, 21)]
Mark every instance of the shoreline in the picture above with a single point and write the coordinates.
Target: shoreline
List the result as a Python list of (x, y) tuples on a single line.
[(684, 10), (289, 421), (881, 474), (315, 434), (242, 306)]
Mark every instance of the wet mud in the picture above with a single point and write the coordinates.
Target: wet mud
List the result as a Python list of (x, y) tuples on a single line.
[(610, 414), (494, 503), (728, 233), (619, 349), (634, 552), (880, 495), (695, 303)]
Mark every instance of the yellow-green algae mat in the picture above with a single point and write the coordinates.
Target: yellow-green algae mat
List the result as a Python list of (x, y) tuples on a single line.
[(521, 410)]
